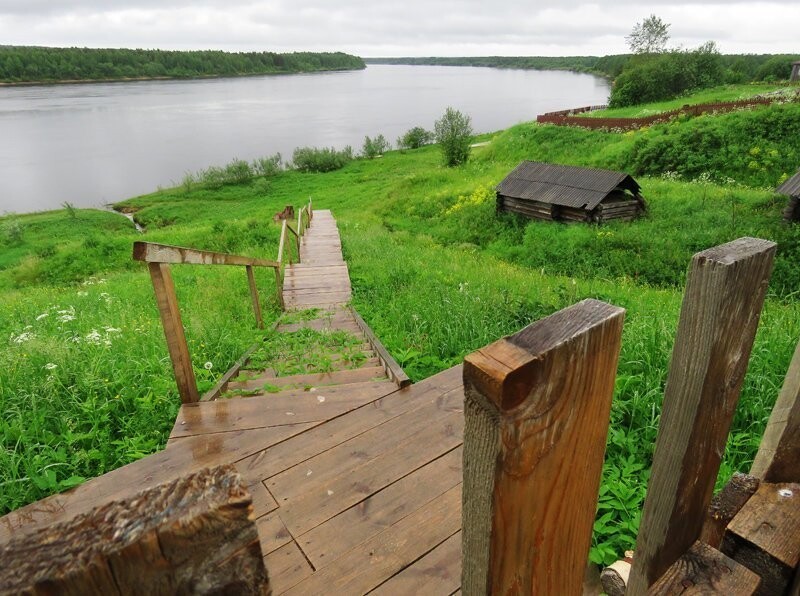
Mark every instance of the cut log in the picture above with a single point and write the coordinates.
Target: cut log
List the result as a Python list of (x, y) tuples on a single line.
[(725, 505), (190, 536)]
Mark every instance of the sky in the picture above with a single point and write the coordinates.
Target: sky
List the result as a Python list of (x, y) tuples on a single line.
[(372, 28)]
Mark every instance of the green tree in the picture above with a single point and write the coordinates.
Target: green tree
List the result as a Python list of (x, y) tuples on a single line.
[(415, 138), (454, 134), (649, 37)]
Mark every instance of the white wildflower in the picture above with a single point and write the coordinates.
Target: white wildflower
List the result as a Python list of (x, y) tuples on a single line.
[(66, 318), (82, 293), (93, 337), (22, 337), (42, 316), (112, 330), (51, 366), (208, 366)]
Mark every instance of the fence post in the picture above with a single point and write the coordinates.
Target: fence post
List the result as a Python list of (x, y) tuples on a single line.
[(536, 412), (167, 302), (778, 457), (724, 294), (251, 279)]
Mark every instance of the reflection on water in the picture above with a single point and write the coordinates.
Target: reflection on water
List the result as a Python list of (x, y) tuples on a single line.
[(100, 143)]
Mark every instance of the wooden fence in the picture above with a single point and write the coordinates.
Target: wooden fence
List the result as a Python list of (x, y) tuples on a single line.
[(537, 408), (159, 257), (568, 117)]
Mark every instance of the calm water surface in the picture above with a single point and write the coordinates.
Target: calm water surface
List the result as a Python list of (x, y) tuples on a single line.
[(100, 143)]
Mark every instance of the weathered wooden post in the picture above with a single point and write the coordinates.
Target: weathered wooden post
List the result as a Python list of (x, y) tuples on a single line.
[(251, 280), (536, 408), (167, 301), (778, 457), (190, 536), (722, 304)]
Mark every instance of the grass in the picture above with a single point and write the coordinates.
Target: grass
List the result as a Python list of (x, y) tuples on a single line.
[(435, 271)]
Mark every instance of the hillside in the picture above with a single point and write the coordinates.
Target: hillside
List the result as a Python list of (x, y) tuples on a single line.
[(85, 384)]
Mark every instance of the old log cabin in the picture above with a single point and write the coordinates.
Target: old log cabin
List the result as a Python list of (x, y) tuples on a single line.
[(791, 188), (569, 193)]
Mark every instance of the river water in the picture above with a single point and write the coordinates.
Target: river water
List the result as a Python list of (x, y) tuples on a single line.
[(94, 144)]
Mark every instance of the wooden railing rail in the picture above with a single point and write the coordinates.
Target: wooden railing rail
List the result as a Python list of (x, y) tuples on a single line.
[(160, 256)]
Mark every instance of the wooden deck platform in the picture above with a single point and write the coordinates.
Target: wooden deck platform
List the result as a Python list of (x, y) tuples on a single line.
[(356, 486)]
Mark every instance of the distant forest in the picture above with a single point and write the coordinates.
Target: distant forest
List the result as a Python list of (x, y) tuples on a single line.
[(737, 68), (40, 64)]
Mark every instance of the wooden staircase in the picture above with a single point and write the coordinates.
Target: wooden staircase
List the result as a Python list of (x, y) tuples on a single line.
[(341, 353)]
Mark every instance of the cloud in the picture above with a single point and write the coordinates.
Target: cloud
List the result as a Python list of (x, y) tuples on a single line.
[(413, 27)]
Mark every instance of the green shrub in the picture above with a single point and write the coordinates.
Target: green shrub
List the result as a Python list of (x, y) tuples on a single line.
[(454, 135), (314, 159), (374, 147), (415, 138), (238, 172), (268, 166)]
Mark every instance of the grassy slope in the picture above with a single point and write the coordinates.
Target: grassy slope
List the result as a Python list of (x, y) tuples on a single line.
[(435, 272)]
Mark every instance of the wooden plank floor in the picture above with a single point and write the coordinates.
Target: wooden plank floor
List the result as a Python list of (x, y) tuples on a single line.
[(356, 484)]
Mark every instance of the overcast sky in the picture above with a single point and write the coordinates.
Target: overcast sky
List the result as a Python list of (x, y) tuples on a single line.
[(397, 28)]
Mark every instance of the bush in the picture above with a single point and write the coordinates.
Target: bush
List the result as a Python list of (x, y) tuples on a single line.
[(375, 147), (415, 138), (313, 159), (268, 166), (454, 135)]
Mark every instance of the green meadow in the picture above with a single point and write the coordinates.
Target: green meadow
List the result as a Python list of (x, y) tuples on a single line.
[(85, 378)]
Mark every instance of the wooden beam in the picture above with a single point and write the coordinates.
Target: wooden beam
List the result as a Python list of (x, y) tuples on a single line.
[(778, 457), (281, 244), (725, 292), (194, 535), (251, 279), (725, 505), (765, 536), (393, 370), (167, 301), (150, 252), (536, 410), (704, 571)]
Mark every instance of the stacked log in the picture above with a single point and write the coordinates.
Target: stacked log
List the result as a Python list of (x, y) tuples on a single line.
[(625, 210), (532, 209)]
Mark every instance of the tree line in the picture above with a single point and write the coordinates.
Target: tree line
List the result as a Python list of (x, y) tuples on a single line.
[(20, 64)]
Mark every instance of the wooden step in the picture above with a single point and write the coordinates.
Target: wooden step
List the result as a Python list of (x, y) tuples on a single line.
[(340, 377)]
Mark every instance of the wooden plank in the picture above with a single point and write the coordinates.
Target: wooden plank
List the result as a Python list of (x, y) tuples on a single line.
[(778, 457), (272, 533), (536, 407), (335, 432), (263, 501), (151, 252), (272, 410), (183, 457), (279, 287), (725, 505), (190, 535), (287, 566), (393, 369), (765, 536), (438, 572), (381, 510), (722, 304), (167, 301), (251, 280), (282, 244), (704, 571), (369, 564), (339, 377)]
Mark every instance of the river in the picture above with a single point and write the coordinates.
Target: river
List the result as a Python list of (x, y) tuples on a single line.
[(94, 144)]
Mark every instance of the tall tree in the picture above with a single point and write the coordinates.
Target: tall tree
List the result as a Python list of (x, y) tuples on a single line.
[(649, 37)]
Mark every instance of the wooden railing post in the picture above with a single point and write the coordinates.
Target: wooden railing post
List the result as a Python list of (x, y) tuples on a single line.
[(536, 411), (167, 302), (778, 457), (722, 303), (251, 279)]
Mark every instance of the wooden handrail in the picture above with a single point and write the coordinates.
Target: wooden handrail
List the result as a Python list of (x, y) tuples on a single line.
[(151, 252), (160, 256)]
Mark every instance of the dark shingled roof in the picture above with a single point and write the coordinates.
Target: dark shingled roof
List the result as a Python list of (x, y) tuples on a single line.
[(568, 186), (791, 187)]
